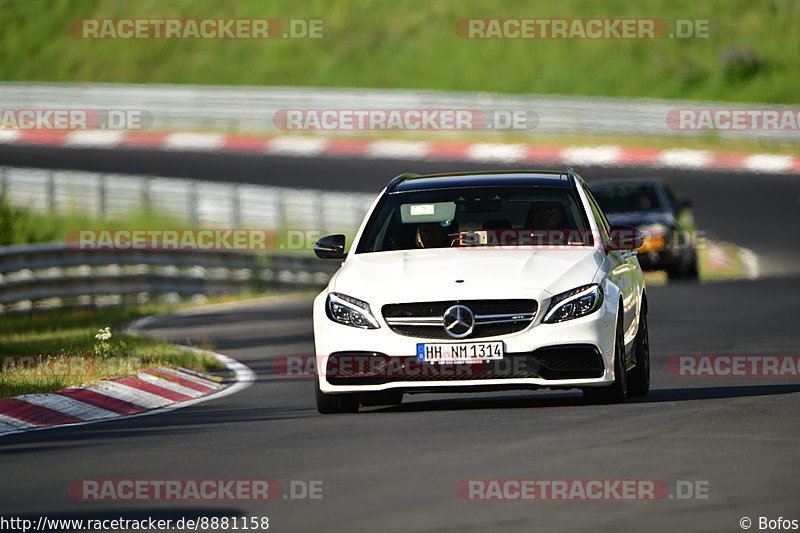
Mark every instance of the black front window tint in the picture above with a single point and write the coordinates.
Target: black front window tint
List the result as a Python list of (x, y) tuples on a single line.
[(491, 216)]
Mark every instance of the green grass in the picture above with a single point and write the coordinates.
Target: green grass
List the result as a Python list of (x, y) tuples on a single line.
[(19, 225), (66, 333), (751, 55)]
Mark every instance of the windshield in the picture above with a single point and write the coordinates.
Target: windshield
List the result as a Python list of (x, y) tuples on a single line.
[(496, 216), (628, 198)]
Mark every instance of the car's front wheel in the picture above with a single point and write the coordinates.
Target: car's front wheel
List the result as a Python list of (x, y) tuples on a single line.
[(639, 377), (335, 403), (617, 391)]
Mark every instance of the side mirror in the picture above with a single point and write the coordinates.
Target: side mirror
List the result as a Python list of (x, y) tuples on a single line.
[(625, 238), (684, 203), (330, 247)]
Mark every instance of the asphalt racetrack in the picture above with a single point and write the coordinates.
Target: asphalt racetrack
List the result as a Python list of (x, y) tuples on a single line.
[(396, 469)]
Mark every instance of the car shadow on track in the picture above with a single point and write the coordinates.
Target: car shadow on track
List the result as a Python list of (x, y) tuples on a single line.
[(571, 399)]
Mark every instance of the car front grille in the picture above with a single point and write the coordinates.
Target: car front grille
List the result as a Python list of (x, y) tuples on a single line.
[(492, 317)]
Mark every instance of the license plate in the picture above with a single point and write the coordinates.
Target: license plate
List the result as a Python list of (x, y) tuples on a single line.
[(463, 352)]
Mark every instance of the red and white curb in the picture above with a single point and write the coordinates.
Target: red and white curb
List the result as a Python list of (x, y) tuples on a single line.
[(154, 390), (479, 152)]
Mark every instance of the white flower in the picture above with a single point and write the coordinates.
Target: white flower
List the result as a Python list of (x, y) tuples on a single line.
[(103, 334)]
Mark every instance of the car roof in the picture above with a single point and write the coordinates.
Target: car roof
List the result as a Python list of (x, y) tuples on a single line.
[(507, 178), (634, 181)]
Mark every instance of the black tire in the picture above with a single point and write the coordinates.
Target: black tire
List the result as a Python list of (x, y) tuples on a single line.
[(685, 269), (335, 403), (617, 392), (691, 272), (639, 376), (675, 272), (389, 397)]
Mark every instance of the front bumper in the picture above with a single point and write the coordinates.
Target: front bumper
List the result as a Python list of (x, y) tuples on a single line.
[(575, 353)]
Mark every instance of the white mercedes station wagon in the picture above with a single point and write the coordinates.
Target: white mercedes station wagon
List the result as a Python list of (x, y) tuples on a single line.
[(482, 281)]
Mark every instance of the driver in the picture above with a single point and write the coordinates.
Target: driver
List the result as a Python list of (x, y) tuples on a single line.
[(435, 234), (546, 216)]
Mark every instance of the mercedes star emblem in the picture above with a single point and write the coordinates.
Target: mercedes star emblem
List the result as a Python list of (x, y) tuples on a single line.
[(458, 321)]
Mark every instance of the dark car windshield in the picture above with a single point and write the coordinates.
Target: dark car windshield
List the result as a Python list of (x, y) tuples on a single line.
[(626, 198), (476, 216)]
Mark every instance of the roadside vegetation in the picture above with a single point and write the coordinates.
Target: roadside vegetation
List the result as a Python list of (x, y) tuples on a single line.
[(19, 225), (73, 347), (750, 55)]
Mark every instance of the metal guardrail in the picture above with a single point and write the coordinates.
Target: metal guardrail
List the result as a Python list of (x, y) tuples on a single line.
[(50, 275), (251, 109), (228, 205)]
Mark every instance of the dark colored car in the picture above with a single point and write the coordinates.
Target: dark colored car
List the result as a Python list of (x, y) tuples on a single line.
[(652, 206)]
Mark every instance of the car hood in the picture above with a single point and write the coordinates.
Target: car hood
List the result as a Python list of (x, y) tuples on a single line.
[(424, 275), (640, 218)]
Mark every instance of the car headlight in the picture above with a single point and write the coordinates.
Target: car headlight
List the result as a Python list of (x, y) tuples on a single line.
[(350, 311), (575, 303)]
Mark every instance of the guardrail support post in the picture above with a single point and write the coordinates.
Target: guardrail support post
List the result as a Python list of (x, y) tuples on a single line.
[(146, 200), (51, 191), (280, 219), (320, 209), (3, 181), (236, 206), (194, 207), (102, 192)]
